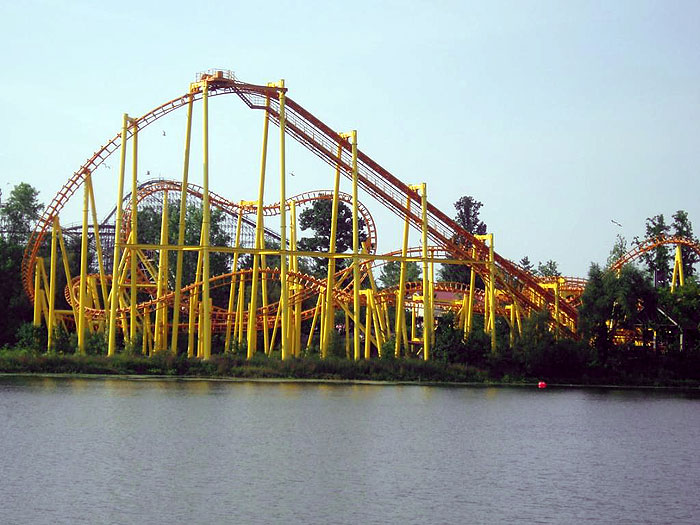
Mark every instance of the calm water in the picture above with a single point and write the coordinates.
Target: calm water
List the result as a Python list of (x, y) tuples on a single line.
[(125, 451)]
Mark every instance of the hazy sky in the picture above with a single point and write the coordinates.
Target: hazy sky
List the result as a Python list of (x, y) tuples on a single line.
[(558, 116)]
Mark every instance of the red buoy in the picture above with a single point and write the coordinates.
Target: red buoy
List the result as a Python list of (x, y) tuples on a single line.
[(541, 384)]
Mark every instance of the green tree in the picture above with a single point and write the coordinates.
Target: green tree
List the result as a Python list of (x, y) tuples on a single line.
[(526, 264), (318, 217), (20, 212), (391, 272), (149, 223), (681, 312), (682, 227), (16, 308), (468, 218), (618, 250), (611, 302), (548, 269), (658, 259)]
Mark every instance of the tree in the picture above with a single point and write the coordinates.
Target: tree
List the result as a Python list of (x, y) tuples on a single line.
[(391, 272), (16, 308), (526, 264), (657, 260), (618, 250), (548, 269), (318, 218), (682, 227), (149, 223), (468, 218), (20, 212), (611, 302)]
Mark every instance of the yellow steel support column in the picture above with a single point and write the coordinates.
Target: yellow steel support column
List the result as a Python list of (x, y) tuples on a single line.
[(192, 315), (678, 276), (400, 292), (368, 324), (347, 335), (83, 268), (511, 309), (557, 315), (470, 305), (295, 329), (240, 315), (313, 321), (98, 244), (427, 281), (284, 297), (69, 279), (259, 232), (37, 295), (181, 231), (161, 322), (232, 286), (355, 253), (114, 296), (492, 293), (133, 274), (50, 322), (329, 318), (205, 344)]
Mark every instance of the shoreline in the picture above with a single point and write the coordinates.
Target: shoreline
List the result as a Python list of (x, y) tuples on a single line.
[(330, 381)]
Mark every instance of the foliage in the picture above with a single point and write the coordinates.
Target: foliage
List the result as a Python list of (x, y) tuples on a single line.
[(618, 250), (657, 260), (468, 218), (450, 346), (149, 226), (318, 218), (20, 212), (391, 272), (526, 264), (16, 306), (548, 269), (611, 302), (683, 228)]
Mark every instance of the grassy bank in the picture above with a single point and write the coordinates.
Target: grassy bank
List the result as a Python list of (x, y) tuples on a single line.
[(236, 366)]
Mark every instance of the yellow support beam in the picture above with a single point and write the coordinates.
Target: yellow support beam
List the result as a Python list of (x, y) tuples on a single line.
[(181, 230), (114, 296)]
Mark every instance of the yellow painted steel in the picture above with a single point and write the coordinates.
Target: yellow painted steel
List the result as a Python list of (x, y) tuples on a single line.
[(98, 243), (678, 276), (355, 252), (232, 288), (329, 318), (50, 322), (114, 296), (259, 231), (427, 280), (37, 295), (206, 303), (295, 328), (400, 292), (181, 230), (284, 297), (82, 321), (161, 321), (133, 257)]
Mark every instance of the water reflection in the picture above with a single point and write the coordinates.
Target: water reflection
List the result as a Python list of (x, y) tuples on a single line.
[(116, 450)]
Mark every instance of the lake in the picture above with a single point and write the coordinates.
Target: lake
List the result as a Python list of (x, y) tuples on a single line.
[(110, 450)]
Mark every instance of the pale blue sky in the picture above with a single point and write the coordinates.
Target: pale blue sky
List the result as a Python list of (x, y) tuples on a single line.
[(558, 116)]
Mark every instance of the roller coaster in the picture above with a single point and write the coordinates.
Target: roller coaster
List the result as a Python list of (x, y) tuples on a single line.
[(131, 291)]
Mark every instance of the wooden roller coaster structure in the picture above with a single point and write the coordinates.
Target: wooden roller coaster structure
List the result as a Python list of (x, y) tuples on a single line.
[(137, 295)]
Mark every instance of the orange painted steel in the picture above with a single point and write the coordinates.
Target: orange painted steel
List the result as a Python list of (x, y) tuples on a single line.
[(649, 244)]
